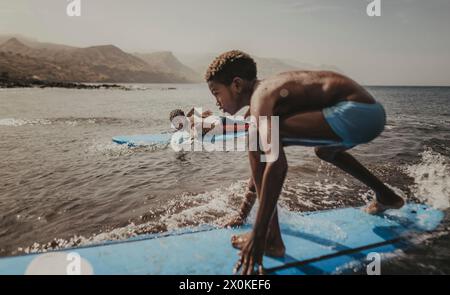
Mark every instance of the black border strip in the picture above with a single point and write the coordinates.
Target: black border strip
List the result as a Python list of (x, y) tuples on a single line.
[(337, 254)]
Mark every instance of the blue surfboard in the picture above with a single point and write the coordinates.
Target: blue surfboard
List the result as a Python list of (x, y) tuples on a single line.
[(323, 242), (165, 138)]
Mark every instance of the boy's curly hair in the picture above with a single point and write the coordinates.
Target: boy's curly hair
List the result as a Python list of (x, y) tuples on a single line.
[(229, 65), (175, 113)]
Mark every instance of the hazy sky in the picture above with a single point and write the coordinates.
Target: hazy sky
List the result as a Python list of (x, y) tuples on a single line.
[(408, 44)]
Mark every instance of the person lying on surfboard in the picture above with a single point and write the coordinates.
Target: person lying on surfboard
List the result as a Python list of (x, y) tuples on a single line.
[(205, 123), (309, 104)]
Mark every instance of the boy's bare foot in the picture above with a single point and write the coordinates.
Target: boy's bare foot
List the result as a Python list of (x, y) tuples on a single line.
[(388, 200), (273, 248)]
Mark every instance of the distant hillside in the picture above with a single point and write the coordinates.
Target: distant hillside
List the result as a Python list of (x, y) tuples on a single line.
[(27, 41), (166, 62), (13, 45), (34, 43), (23, 57), (266, 66), (105, 63)]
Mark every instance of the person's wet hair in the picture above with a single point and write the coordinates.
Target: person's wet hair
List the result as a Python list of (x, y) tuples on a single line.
[(176, 119), (175, 113)]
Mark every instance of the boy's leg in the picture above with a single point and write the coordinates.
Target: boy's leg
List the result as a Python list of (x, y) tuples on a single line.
[(385, 197), (313, 125)]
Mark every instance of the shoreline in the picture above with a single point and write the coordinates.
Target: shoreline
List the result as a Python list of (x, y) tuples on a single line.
[(34, 83)]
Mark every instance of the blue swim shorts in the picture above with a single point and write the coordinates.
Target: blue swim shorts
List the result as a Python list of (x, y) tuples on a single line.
[(356, 122)]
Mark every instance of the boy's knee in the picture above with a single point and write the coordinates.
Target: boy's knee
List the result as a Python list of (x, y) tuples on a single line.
[(283, 169), (254, 154), (325, 154)]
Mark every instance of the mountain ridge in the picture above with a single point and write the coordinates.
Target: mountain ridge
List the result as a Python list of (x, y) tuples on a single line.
[(27, 58)]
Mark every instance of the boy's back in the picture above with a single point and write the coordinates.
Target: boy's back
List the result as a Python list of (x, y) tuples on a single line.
[(291, 92)]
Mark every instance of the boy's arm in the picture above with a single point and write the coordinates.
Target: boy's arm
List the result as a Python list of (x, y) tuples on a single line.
[(209, 125), (206, 114), (247, 113), (262, 106), (190, 113), (268, 179), (246, 206)]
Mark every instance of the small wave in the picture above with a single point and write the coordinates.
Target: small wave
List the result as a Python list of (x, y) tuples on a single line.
[(439, 145), (70, 121), (108, 149), (218, 206), (431, 179), (111, 149), (313, 195), (213, 208), (21, 122)]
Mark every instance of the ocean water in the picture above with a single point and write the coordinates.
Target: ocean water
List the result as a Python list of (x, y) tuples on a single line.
[(64, 183)]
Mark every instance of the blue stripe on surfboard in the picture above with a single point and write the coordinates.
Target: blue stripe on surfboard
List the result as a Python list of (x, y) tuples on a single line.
[(151, 139), (165, 138), (143, 139), (306, 236), (309, 142)]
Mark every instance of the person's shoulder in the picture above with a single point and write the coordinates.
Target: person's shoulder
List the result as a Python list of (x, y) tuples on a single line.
[(265, 96), (269, 88), (270, 85)]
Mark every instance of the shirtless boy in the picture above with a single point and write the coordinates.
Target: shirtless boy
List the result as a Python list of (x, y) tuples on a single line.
[(309, 104)]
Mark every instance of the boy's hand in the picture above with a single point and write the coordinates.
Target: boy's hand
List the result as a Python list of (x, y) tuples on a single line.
[(246, 207), (206, 114), (251, 255), (234, 222)]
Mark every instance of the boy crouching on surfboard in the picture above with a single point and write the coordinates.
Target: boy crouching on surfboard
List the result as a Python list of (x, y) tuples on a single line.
[(309, 104)]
